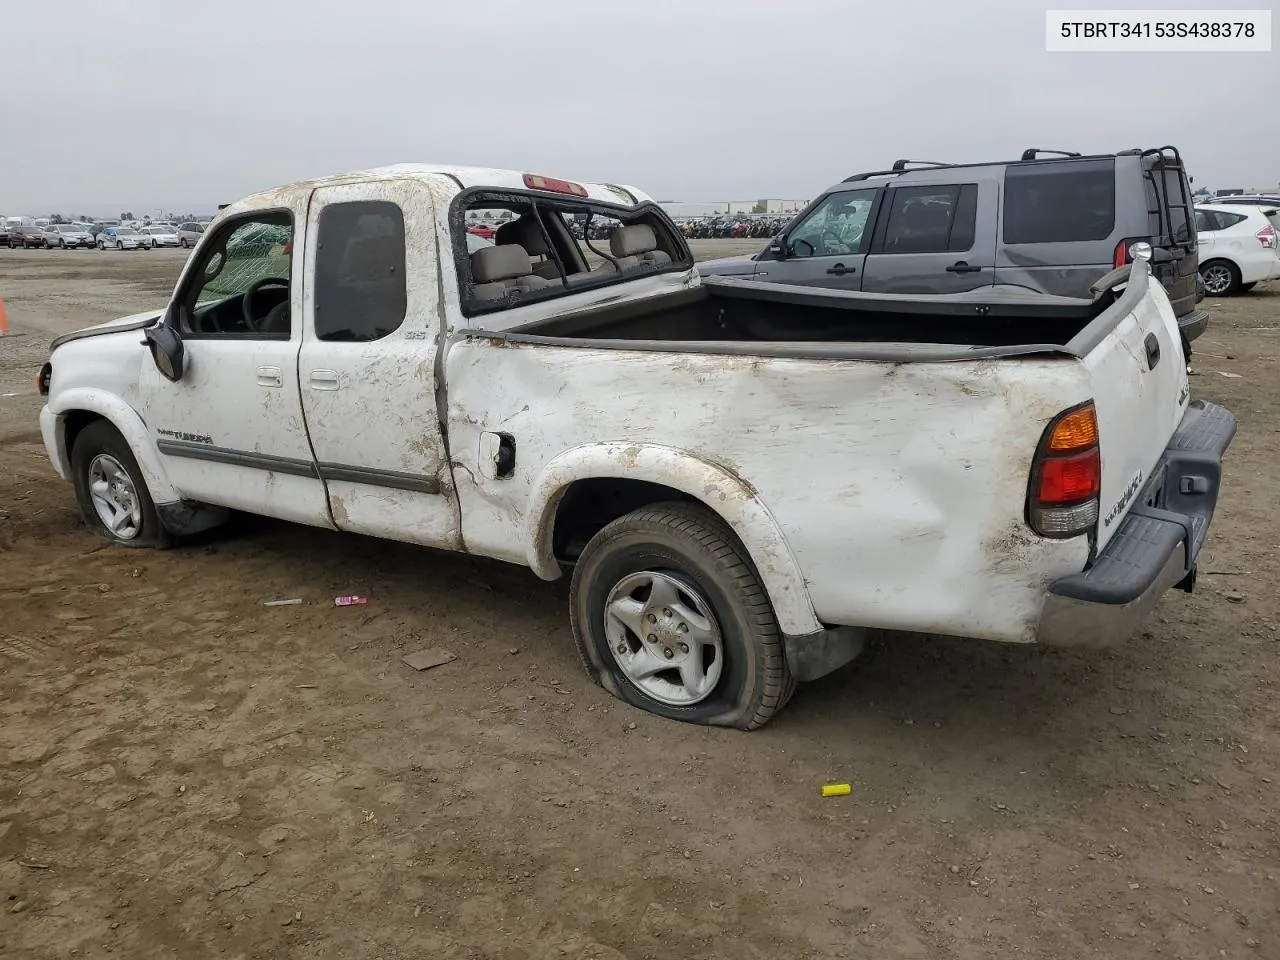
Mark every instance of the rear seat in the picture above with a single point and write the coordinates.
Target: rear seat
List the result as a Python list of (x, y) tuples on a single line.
[(499, 270)]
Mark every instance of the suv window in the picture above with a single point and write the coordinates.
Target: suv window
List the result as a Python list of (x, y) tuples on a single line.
[(360, 271), (1059, 202), (931, 219), (836, 226)]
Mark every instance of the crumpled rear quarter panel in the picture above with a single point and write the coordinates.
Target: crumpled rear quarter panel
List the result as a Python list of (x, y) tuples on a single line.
[(899, 488)]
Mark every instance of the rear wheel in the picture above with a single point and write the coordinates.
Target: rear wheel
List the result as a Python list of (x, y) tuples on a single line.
[(113, 497), (669, 615), (1221, 277)]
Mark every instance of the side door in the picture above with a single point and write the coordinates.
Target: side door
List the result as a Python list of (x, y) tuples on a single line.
[(371, 329), (827, 245), (231, 430), (939, 238)]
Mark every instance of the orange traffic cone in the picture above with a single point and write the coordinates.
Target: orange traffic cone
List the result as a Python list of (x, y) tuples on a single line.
[(4, 320)]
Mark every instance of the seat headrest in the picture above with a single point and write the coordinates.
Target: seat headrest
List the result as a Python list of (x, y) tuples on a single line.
[(633, 240), (491, 264), (524, 231)]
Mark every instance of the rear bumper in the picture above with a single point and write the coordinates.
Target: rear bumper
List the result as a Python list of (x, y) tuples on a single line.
[(1156, 545), (1193, 324)]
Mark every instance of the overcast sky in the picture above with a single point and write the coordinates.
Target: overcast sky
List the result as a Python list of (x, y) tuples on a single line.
[(131, 104)]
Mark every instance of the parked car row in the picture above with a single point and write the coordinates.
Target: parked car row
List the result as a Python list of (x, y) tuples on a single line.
[(31, 232), (731, 227)]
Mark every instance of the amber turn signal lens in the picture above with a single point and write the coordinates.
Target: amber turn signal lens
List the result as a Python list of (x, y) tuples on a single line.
[(1075, 431)]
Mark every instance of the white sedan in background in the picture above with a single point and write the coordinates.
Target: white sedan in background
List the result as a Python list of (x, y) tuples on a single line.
[(1239, 246), (161, 236)]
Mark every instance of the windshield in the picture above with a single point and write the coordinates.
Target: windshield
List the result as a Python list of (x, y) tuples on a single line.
[(68, 228), (126, 232)]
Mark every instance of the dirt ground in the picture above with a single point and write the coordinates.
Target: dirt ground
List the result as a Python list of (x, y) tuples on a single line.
[(185, 773)]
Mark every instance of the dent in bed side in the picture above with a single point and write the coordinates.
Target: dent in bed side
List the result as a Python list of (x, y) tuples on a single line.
[(726, 495)]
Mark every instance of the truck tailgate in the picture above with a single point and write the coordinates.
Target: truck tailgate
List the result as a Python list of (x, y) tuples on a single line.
[(1138, 377)]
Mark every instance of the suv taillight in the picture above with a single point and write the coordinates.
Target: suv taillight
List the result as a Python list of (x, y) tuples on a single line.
[(43, 378), (1124, 250), (1267, 236), (1066, 476)]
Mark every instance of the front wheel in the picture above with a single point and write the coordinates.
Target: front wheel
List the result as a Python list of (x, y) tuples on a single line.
[(119, 245), (183, 243), (669, 615), (113, 497), (1221, 277)]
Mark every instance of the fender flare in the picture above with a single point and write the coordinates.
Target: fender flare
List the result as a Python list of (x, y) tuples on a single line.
[(716, 487), (125, 419)]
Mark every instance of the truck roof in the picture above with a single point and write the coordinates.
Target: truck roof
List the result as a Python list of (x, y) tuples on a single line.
[(466, 178)]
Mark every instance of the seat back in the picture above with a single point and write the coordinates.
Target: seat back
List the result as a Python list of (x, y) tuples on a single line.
[(499, 270), (635, 245)]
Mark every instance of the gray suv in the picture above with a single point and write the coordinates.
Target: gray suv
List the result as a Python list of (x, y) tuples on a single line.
[(1051, 224)]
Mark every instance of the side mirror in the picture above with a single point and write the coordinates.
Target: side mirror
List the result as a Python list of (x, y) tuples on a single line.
[(167, 351), (778, 247)]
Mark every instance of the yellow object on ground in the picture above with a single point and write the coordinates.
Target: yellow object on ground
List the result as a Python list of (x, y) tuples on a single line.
[(836, 789)]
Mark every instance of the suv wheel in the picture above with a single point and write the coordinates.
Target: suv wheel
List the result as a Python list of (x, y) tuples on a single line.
[(1221, 277), (112, 495), (669, 615)]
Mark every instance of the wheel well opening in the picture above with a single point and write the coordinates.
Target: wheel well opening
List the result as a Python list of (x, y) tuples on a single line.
[(74, 422), (588, 506)]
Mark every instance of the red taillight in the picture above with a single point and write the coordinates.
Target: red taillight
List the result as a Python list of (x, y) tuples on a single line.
[(1065, 481), (1066, 475), (1267, 236), (552, 185), (1121, 255)]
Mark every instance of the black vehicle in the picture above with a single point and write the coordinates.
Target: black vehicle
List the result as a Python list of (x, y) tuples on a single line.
[(1053, 224)]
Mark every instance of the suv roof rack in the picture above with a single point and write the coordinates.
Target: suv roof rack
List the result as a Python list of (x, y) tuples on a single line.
[(1032, 152), (899, 166), (1169, 157)]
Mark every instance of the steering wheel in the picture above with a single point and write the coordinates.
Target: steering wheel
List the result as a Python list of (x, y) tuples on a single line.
[(246, 304)]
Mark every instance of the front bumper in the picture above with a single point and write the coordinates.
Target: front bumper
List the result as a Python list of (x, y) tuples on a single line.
[(1155, 547)]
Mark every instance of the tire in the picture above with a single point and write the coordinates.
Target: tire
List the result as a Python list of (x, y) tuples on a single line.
[(183, 243), (119, 245), (690, 555), (101, 245), (101, 452), (1221, 278), (1246, 287)]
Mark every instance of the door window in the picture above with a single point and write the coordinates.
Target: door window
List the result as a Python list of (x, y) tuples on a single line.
[(241, 284), (836, 227), (932, 219), (361, 294)]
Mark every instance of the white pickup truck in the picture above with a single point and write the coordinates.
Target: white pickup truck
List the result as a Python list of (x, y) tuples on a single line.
[(742, 477)]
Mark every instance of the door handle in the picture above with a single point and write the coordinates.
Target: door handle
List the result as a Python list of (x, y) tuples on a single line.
[(270, 377), (1153, 351), (323, 380), (961, 267), (840, 270)]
